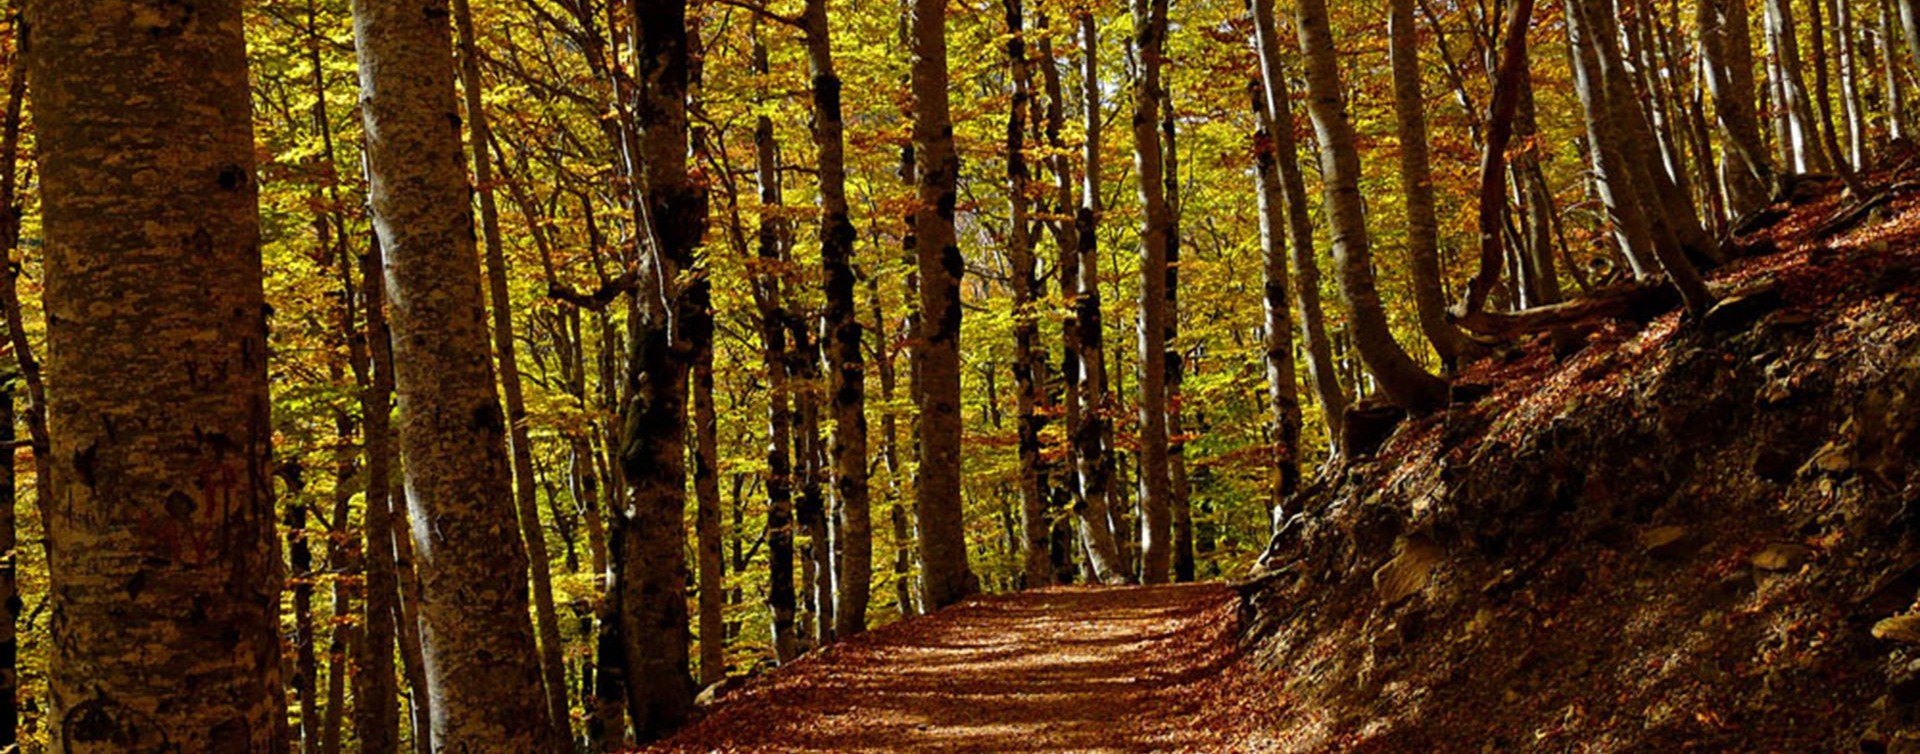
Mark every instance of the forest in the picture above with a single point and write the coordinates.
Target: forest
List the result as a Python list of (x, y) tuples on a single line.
[(515, 376)]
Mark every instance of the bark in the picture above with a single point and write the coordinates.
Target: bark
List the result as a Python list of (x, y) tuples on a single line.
[(481, 663), (945, 576), (1321, 373), (29, 373), (1156, 510), (306, 663), (707, 530), (519, 446), (1802, 135), (1029, 367), (773, 337), (810, 510), (1896, 100), (1725, 41), (1823, 87), (155, 312), (846, 364), (1093, 436), (375, 687), (1619, 143), (1610, 173), (1493, 156), (1179, 488), (890, 455), (1405, 383), (1853, 110), (1283, 401), (406, 614), (1416, 183), (675, 322)]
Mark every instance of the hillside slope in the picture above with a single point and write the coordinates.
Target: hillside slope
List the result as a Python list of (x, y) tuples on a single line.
[(1680, 538)]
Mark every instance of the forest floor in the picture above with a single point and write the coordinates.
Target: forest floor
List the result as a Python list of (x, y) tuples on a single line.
[(1088, 670)]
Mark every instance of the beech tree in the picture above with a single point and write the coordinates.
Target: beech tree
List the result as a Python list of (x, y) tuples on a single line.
[(165, 577)]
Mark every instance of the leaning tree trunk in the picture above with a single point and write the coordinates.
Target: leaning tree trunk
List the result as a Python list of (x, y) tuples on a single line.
[(675, 322), (481, 662), (1416, 182), (376, 718), (846, 364), (1321, 373), (945, 577), (154, 315), (519, 445), (35, 413), (1156, 511), (1403, 380)]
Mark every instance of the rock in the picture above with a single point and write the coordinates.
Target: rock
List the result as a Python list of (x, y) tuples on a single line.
[(1409, 570), (1901, 628), (1737, 312), (1663, 541), (1781, 556), (1368, 426)]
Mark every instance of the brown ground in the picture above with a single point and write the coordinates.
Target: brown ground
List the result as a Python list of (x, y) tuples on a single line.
[(1081, 669)]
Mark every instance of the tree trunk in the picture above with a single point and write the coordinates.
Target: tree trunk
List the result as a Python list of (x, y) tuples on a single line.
[(1283, 401), (945, 577), (155, 312), (1851, 106), (1802, 135), (1493, 158), (482, 667), (773, 341), (846, 364), (707, 530), (1028, 360), (1725, 41), (376, 717), (1156, 510), (1405, 383), (406, 615), (1321, 373), (1896, 98), (1179, 488), (35, 415), (1416, 183), (1093, 434), (519, 446), (675, 322), (306, 664)]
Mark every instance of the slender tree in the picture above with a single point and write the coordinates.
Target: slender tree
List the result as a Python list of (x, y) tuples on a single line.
[(1726, 41), (773, 338), (1403, 380), (1416, 183), (1156, 509), (155, 312), (1093, 436)]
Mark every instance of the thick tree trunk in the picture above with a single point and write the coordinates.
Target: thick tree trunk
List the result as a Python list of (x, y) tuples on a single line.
[(1416, 183), (1493, 158), (155, 312), (1405, 383), (1028, 359), (1321, 373), (846, 363), (482, 667), (519, 446), (945, 577), (675, 322)]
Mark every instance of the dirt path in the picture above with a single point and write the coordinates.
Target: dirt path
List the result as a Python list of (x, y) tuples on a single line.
[(1083, 670)]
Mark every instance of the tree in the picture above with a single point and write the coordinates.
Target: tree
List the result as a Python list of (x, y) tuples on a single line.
[(773, 339), (481, 663), (1277, 103), (846, 362), (155, 313), (520, 453), (1156, 512), (1283, 401), (945, 576), (1416, 182), (1029, 362), (1405, 383), (1726, 42), (675, 321)]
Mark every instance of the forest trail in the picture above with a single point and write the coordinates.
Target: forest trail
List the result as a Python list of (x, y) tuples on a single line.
[(1089, 670)]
